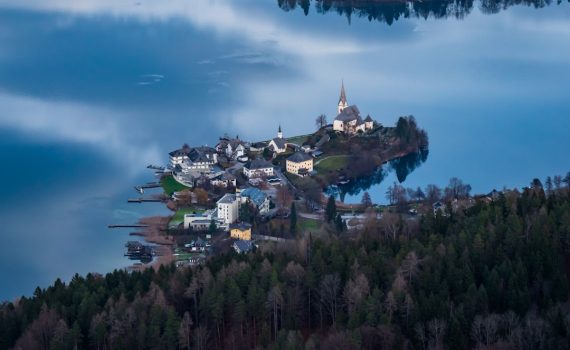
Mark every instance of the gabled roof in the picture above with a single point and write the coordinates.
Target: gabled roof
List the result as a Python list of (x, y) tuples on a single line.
[(177, 153), (299, 157), (280, 142), (257, 196), (243, 246), (348, 114), (368, 119), (258, 164), (242, 226)]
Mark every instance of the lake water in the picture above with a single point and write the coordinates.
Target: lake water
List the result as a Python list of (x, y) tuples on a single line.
[(93, 91)]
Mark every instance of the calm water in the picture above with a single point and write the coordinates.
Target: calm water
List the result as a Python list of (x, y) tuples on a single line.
[(93, 91)]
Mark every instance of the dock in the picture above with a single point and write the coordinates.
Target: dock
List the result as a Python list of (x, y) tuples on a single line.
[(156, 167), (128, 226), (144, 200)]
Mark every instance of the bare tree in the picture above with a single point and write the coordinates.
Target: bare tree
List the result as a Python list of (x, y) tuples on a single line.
[(185, 331), (274, 303), (436, 328), (321, 121), (389, 224), (457, 189), (354, 292), (410, 266), (433, 193), (330, 286), (201, 336)]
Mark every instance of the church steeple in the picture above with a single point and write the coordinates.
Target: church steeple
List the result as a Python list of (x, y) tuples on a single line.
[(279, 133), (342, 103)]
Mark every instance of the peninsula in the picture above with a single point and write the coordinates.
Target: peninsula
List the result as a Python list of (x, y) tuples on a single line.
[(272, 190)]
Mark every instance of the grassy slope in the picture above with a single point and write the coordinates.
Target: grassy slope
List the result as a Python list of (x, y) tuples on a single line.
[(170, 185)]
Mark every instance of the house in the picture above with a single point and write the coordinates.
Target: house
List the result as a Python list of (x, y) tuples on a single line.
[(202, 158), (224, 179), (177, 157), (300, 163), (241, 231), (278, 144), (256, 197), (228, 208), (243, 246), (198, 222), (258, 168), (348, 120), (231, 148)]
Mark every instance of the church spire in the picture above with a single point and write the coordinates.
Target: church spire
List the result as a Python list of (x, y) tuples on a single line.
[(279, 133), (342, 103), (342, 94)]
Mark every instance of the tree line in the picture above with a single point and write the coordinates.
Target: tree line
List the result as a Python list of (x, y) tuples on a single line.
[(494, 275)]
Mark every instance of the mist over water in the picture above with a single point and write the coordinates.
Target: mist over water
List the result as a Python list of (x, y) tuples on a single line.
[(92, 92)]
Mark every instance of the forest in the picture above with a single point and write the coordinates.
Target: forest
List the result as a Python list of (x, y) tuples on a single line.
[(490, 276), (392, 10)]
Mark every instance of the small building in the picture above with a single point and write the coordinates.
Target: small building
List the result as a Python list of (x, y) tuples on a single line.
[(243, 246), (231, 148), (228, 208), (300, 164), (369, 122), (256, 197), (241, 231), (258, 168), (177, 157), (200, 221), (223, 180), (278, 144)]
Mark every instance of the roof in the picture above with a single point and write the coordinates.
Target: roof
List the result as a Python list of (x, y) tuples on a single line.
[(280, 142), (348, 114), (299, 157), (228, 198), (227, 177), (242, 226), (243, 246), (177, 153), (255, 195), (368, 118), (258, 164)]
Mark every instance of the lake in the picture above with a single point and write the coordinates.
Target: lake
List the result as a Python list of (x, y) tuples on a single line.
[(93, 91)]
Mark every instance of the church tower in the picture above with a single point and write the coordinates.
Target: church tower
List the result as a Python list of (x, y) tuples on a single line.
[(342, 103), (279, 133)]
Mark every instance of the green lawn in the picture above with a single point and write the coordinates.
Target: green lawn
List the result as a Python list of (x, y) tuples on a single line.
[(298, 139), (308, 224), (170, 185), (332, 163), (178, 217)]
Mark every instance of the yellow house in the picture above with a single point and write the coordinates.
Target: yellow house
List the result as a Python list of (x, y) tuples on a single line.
[(241, 231), (300, 164)]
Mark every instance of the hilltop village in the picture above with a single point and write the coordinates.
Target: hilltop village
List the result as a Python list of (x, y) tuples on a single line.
[(273, 190)]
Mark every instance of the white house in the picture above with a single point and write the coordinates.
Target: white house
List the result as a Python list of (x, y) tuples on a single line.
[(228, 208), (231, 148), (223, 180), (278, 144), (258, 168), (198, 222), (177, 157)]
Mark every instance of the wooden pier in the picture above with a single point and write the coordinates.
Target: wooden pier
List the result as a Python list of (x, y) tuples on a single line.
[(144, 200), (128, 226)]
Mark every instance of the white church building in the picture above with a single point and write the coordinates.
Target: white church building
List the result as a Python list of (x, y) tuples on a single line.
[(348, 119)]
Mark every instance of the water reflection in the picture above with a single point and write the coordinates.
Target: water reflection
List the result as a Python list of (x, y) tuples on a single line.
[(402, 166), (391, 11)]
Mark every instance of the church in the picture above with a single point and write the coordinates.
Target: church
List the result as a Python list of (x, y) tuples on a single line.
[(348, 119)]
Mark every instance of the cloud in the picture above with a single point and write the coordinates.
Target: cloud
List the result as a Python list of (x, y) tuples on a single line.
[(221, 16), (57, 121)]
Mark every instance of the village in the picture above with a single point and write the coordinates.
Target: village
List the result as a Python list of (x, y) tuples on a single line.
[(239, 194)]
